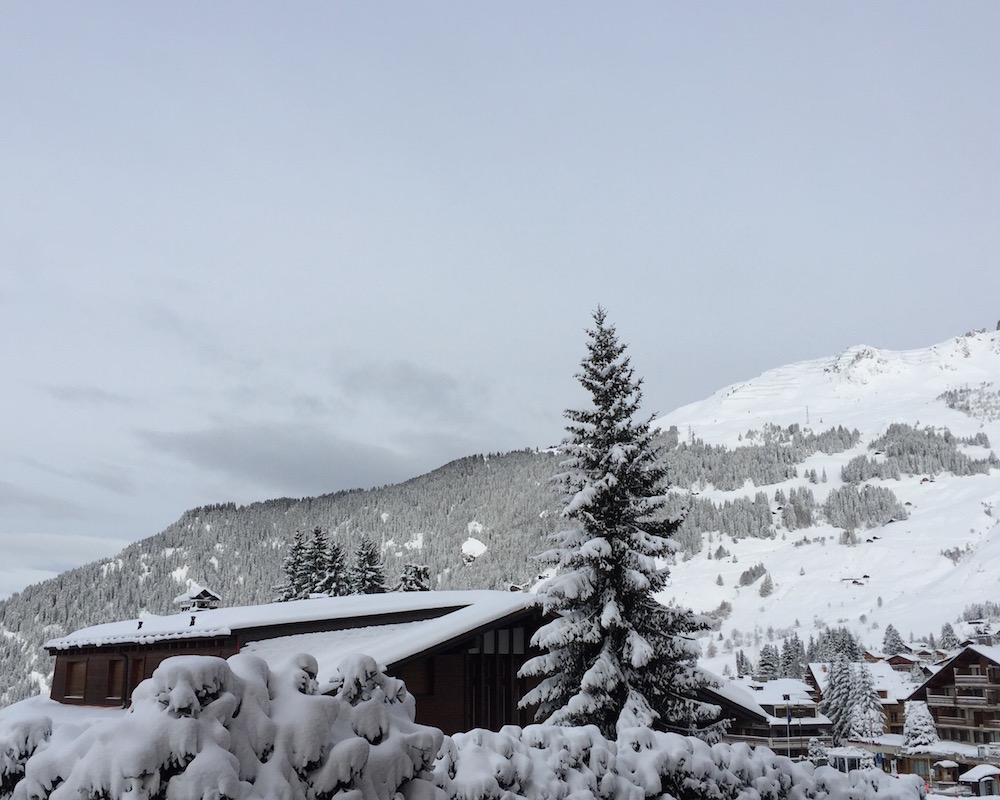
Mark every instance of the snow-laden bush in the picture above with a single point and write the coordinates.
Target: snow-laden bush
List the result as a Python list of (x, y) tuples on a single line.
[(542, 762), (207, 729), (204, 727)]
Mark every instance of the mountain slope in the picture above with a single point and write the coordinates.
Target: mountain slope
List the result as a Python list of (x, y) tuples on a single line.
[(915, 573)]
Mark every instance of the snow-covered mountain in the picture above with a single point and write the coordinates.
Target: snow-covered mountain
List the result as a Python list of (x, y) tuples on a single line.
[(759, 466), (915, 573)]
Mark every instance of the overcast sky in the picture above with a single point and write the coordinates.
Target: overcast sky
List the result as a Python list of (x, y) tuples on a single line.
[(251, 250)]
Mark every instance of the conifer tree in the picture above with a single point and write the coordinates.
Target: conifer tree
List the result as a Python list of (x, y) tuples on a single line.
[(867, 716), (335, 582), (316, 562), (893, 643), (367, 572), (919, 730), (294, 566), (769, 665), (415, 578), (614, 657), (948, 641), (837, 703)]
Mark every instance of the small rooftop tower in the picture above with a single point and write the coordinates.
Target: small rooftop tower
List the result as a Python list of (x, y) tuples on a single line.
[(197, 598)]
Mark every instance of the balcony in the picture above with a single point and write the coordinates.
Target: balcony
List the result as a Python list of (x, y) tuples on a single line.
[(939, 700), (952, 722), (969, 700), (964, 679)]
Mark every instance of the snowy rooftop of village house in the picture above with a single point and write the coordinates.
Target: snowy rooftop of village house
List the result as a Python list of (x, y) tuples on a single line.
[(772, 692), (388, 644), (470, 609), (898, 686)]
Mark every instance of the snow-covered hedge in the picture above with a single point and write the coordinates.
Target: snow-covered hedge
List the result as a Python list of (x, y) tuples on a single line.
[(548, 763), (204, 728)]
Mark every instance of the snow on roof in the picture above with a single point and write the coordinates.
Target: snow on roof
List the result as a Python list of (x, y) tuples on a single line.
[(194, 592), (489, 605), (772, 692), (388, 644), (898, 686), (978, 772), (739, 696)]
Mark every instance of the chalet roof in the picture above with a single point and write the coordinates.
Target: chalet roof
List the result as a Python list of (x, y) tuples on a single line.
[(978, 773), (989, 652), (390, 644), (772, 693), (196, 592), (480, 608), (897, 685)]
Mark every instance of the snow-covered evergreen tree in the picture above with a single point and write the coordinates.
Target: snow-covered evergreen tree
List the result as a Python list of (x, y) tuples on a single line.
[(793, 658), (893, 643), (919, 730), (614, 657), (415, 578), (335, 582), (317, 557), (867, 716), (367, 572), (838, 703), (948, 641), (296, 571), (769, 665)]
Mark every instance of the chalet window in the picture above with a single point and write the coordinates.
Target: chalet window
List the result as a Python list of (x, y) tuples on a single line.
[(116, 679), (489, 643), (76, 679), (519, 641)]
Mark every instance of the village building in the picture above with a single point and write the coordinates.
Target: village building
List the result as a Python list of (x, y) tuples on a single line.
[(964, 696), (458, 652), (781, 714)]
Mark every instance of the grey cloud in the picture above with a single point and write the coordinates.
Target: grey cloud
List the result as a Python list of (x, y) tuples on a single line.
[(412, 388), (195, 336), (92, 395), (42, 505), (287, 458), (102, 476)]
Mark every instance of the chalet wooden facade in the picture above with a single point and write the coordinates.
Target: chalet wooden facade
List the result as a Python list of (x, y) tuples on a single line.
[(458, 652), (964, 696)]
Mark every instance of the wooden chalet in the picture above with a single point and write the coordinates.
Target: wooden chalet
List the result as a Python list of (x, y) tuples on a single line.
[(964, 696), (458, 652)]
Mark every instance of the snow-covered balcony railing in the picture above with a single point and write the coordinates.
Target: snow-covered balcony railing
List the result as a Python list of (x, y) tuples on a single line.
[(952, 722), (967, 679), (940, 700), (970, 700)]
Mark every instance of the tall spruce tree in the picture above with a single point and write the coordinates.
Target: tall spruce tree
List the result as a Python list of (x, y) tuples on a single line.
[(868, 718), (615, 657), (919, 730), (367, 572), (335, 582), (893, 643), (838, 703), (948, 641), (295, 566), (317, 560)]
